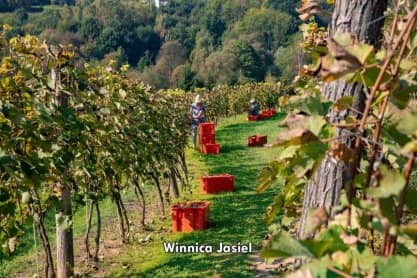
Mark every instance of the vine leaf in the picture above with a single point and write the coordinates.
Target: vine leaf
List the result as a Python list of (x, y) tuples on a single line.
[(391, 183), (329, 242), (386, 206), (268, 175), (343, 103), (309, 8), (410, 200), (315, 123), (283, 245), (338, 62), (410, 147), (276, 208), (397, 266), (408, 123), (401, 94), (410, 230)]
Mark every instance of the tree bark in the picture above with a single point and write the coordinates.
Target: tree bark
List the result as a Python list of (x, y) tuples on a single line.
[(364, 20)]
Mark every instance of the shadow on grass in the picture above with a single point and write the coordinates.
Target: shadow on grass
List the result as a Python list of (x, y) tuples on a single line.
[(231, 148), (234, 218)]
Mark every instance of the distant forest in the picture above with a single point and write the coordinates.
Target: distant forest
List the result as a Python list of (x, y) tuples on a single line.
[(185, 44)]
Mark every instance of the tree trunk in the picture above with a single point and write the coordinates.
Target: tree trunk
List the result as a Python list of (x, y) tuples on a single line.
[(49, 265), (363, 19), (87, 231), (141, 198), (161, 198), (173, 182), (120, 215), (183, 164), (98, 233), (64, 238)]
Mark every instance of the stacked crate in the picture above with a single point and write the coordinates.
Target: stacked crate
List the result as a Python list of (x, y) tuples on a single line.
[(207, 138)]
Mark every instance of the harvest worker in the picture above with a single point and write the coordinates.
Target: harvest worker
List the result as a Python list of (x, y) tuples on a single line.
[(253, 108), (198, 115)]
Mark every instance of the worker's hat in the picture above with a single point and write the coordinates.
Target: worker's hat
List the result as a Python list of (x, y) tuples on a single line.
[(197, 99)]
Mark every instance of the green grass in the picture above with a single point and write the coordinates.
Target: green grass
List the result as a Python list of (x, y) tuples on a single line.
[(235, 217)]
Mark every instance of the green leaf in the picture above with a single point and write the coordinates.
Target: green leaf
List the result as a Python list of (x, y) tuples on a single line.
[(387, 209), (363, 259), (343, 103), (381, 55), (287, 152), (391, 183), (410, 200), (268, 175), (283, 245), (394, 134), (410, 230), (370, 75), (412, 43), (401, 94), (410, 147), (408, 123), (397, 266), (315, 123), (275, 209), (361, 51), (407, 64), (328, 243)]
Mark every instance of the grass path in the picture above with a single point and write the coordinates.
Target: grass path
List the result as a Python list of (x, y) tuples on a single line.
[(234, 217)]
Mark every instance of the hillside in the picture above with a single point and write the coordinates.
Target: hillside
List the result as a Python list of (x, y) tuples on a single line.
[(185, 44)]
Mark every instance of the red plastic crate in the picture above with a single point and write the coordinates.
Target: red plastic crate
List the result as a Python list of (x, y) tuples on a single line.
[(257, 140), (188, 217), (263, 115), (252, 118), (207, 139), (261, 140), (210, 148), (217, 183), (252, 142), (206, 129)]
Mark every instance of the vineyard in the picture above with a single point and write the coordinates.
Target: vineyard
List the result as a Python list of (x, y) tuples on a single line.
[(92, 159), (74, 135)]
